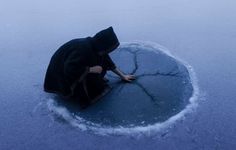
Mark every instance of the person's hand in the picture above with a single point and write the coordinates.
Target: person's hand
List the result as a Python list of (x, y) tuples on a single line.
[(128, 78), (95, 69)]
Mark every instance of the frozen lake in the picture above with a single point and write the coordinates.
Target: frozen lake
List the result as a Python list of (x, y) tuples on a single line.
[(202, 33)]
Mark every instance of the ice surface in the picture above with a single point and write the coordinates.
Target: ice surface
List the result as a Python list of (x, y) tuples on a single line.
[(200, 32)]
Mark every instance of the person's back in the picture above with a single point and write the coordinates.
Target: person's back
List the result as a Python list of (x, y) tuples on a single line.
[(55, 80)]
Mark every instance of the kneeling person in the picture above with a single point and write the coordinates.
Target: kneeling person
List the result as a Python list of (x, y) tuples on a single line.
[(77, 69)]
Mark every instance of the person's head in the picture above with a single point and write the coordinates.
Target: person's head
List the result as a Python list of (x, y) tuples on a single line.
[(105, 41)]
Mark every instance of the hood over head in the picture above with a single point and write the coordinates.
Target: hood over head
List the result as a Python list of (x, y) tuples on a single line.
[(105, 41)]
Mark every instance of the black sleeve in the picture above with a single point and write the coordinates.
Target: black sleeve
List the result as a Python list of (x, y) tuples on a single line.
[(75, 68), (109, 63)]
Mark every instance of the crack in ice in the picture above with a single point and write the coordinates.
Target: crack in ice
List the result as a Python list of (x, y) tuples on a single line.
[(121, 85)]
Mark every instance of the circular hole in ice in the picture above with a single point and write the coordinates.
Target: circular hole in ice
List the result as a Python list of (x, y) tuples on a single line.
[(164, 90)]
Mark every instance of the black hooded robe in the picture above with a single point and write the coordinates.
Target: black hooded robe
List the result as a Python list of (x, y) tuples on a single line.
[(68, 71)]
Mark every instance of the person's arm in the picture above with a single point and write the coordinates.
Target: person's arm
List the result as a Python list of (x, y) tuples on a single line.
[(95, 69), (111, 66), (123, 76)]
